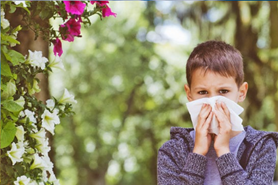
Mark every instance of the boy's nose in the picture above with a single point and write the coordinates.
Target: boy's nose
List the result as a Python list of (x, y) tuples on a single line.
[(212, 95)]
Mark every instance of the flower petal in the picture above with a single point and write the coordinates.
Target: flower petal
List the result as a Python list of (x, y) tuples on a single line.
[(74, 7), (100, 3), (57, 47), (106, 12), (16, 152)]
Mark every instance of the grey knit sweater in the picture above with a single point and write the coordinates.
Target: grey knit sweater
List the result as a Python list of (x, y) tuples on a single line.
[(177, 165)]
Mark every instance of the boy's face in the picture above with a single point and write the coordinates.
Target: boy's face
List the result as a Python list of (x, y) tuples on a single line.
[(208, 84)]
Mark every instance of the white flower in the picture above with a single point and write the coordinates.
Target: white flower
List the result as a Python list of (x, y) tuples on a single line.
[(21, 114), (4, 22), (19, 2), (21, 144), (42, 142), (43, 147), (50, 103), (44, 176), (20, 101), (57, 63), (67, 98), (53, 178), (16, 152), (20, 133), (50, 119), (49, 164), (36, 59), (54, 181), (30, 115), (39, 136), (38, 162), (22, 180)]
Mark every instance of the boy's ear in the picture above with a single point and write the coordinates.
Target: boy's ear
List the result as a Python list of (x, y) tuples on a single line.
[(243, 91), (187, 90)]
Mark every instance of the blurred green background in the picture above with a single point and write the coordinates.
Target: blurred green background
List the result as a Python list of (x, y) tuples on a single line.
[(127, 74)]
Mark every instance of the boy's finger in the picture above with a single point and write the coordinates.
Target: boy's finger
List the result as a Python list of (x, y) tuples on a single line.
[(218, 106), (208, 121), (220, 110), (220, 115), (203, 110), (200, 117), (225, 108), (204, 113)]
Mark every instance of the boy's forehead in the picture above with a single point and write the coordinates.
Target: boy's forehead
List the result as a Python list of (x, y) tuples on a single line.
[(205, 71), (203, 77)]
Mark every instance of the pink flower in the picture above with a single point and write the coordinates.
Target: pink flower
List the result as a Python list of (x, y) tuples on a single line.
[(79, 18), (74, 7), (106, 12), (73, 27), (65, 33), (100, 3), (57, 47), (70, 29)]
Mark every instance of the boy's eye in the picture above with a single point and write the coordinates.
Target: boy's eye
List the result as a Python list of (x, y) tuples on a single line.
[(203, 92), (224, 91)]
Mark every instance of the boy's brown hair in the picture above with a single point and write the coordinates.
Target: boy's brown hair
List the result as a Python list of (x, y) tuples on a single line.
[(216, 56)]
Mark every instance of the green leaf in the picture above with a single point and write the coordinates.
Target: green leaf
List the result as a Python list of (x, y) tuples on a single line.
[(13, 116), (12, 8), (9, 39), (18, 28), (15, 76), (15, 57), (8, 90), (11, 106), (45, 14), (5, 53), (7, 134), (5, 68), (4, 49), (27, 10)]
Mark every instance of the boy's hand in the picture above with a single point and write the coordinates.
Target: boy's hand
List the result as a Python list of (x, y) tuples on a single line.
[(221, 141), (203, 138)]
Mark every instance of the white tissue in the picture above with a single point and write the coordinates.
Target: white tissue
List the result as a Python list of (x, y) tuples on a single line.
[(195, 106)]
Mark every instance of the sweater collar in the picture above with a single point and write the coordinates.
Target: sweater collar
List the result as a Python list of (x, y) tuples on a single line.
[(182, 133)]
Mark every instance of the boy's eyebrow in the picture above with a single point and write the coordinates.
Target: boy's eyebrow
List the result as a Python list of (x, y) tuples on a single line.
[(200, 87), (220, 87)]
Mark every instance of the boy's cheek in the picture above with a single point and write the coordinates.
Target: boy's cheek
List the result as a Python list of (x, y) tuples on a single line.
[(196, 96)]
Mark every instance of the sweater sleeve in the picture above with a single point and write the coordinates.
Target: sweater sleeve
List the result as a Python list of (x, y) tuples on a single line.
[(259, 171), (173, 168)]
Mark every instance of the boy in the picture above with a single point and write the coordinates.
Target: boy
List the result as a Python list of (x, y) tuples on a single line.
[(231, 157)]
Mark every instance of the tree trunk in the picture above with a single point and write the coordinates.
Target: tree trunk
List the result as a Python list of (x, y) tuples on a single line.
[(273, 17), (273, 24), (96, 177), (274, 45), (28, 42)]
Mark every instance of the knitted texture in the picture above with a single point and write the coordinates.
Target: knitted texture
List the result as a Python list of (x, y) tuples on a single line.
[(177, 165)]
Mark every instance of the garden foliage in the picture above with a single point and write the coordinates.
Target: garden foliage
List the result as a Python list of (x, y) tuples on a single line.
[(25, 120)]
